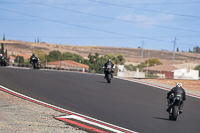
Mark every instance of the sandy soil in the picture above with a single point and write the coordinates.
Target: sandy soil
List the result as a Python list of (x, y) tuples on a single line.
[(191, 86), (21, 116)]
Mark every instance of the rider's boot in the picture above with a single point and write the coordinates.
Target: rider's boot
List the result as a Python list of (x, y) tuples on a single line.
[(168, 108), (181, 109), (105, 76)]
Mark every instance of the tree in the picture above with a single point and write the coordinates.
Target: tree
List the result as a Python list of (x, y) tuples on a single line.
[(19, 59), (54, 56), (96, 56), (41, 55), (197, 68), (38, 41), (130, 67), (99, 65), (150, 62), (196, 49), (121, 59), (2, 48), (4, 37), (71, 56), (6, 55), (110, 56), (190, 51), (177, 50), (91, 58)]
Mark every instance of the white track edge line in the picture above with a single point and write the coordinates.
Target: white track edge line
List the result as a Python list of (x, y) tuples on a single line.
[(67, 110)]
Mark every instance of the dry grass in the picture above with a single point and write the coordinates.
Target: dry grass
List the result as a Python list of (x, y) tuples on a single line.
[(131, 55), (188, 85)]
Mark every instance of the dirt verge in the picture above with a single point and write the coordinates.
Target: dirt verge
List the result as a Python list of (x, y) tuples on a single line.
[(190, 86), (21, 116)]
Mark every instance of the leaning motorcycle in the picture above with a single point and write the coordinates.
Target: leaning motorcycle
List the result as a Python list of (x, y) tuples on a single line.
[(109, 73), (35, 62), (175, 108), (3, 62)]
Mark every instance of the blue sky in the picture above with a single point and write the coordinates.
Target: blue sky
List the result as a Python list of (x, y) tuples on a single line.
[(116, 23)]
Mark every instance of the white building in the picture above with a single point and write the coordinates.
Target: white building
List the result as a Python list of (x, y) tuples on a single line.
[(12, 59), (184, 73), (120, 68), (131, 74)]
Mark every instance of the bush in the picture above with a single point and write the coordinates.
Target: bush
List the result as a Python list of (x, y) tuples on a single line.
[(19, 59)]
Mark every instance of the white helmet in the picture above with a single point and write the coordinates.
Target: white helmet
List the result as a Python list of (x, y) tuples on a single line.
[(1, 55), (178, 85)]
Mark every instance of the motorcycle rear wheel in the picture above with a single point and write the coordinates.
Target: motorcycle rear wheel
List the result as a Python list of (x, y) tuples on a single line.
[(175, 111), (109, 78)]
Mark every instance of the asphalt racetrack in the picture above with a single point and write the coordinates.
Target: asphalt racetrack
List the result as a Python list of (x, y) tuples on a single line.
[(130, 105)]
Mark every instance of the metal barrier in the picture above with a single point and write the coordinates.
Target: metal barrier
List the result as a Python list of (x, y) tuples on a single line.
[(50, 68)]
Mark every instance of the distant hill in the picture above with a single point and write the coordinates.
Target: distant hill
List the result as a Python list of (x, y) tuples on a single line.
[(132, 55)]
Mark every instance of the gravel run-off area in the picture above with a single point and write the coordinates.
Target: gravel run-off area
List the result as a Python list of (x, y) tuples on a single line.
[(21, 116)]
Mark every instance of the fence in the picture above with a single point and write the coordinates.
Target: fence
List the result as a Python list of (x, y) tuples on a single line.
[(52, 68)]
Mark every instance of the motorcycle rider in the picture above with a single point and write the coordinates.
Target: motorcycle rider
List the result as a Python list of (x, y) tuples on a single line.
[(33, 56), (178, 90), (109, 62), (1, 55), (1, 59)]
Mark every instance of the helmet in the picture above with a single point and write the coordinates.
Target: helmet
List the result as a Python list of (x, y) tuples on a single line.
[(109, 60), (1, 55), (178, 85)]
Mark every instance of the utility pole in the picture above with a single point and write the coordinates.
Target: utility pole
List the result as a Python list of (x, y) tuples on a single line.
[(148, 62), (174, 50), (142, 52)]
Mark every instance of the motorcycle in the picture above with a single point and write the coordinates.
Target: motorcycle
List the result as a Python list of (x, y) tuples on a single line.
[(109, 73), (3, 62), (36, 63), (175, 108)]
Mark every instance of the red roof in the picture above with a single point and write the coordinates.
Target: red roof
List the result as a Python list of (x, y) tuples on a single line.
[(160, 68), (12, 58), (68, 63)]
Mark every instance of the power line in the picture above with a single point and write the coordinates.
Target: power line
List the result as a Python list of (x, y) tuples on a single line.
[(148, 10), (149, 4), (84, 27), (159, 26)]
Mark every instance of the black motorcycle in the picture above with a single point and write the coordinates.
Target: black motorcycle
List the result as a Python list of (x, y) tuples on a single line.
[(35, 62), (109, 73), (175, 108), (3, 62)]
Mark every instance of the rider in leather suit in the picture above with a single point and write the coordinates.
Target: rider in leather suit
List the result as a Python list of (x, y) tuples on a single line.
[(176, 91), (109, 62), (32, 57)]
